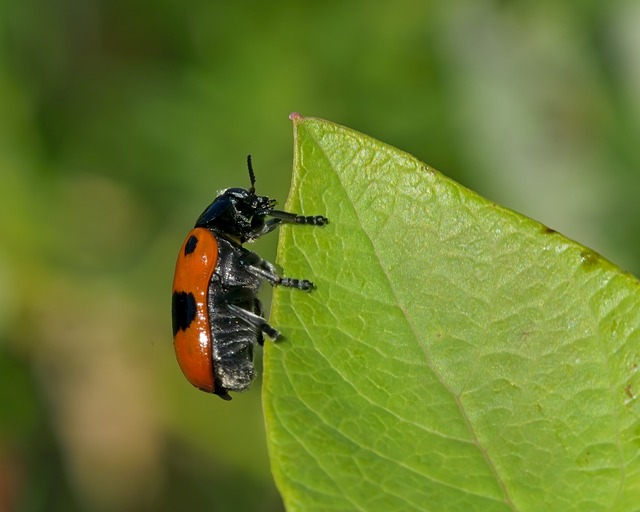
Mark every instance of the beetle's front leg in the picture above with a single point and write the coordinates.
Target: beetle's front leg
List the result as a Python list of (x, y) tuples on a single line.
[(279, 217)]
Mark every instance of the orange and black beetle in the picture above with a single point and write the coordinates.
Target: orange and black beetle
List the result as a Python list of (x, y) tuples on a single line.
[(217, 317)]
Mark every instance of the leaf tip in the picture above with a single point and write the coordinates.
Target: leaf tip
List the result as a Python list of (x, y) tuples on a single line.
[(295, 116)]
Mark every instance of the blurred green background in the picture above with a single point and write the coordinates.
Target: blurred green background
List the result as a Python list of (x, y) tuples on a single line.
[(120, 120)]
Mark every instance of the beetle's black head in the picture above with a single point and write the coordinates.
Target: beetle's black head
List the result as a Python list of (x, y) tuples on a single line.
[(237, 212)]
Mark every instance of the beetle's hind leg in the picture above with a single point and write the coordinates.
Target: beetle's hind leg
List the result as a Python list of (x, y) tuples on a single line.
[(234, 302)]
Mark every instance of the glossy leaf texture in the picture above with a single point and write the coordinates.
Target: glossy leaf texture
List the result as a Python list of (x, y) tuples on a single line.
[(455, 355)]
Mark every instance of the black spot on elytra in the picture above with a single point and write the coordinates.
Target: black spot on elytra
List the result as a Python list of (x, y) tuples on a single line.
[(183, 311), (191, 244)]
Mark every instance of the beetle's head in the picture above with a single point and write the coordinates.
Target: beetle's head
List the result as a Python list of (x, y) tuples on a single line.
[(237, 212)]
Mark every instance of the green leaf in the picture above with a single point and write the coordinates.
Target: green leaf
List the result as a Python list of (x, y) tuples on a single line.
[(454, 356)]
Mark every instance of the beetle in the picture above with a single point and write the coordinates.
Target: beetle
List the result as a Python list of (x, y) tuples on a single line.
[(216, 314)]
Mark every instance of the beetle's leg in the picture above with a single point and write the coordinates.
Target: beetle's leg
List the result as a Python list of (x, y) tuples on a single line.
[(293, 218), (280, 217), (266, 227), (261, 268), (255, 321), (237, 296)]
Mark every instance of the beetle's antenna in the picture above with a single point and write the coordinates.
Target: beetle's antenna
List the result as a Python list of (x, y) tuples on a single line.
[(252, 176)]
